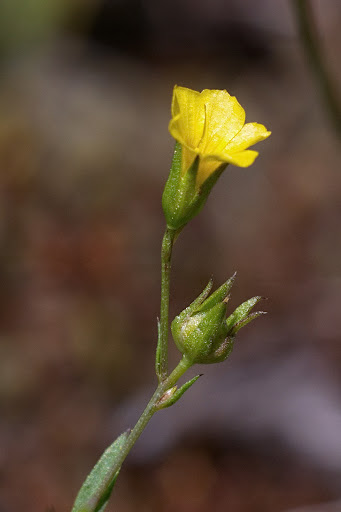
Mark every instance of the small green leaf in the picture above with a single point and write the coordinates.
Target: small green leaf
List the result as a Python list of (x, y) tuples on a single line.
[(96, 490), (174, 395)]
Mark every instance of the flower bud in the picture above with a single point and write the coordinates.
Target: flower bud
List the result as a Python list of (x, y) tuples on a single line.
[(202, 333)]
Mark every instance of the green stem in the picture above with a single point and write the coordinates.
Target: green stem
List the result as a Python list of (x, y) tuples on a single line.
[(309, 35), (162, 349), (150, 409)]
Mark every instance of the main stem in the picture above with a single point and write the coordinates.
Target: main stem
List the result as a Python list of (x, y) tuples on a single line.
[(162, 350), (165, 382), (150, 409)]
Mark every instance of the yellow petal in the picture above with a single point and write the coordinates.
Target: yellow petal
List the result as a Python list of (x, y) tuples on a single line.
[(250, 134), (188, 116), (224, 119), (206, 167), (176, 130), (187, 158), (241, 159), (211, 124)]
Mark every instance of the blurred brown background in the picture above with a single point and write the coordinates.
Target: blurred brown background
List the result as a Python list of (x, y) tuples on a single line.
[(85, 93)]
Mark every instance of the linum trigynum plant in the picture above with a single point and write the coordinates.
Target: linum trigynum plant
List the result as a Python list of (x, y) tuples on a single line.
[(210, 132)]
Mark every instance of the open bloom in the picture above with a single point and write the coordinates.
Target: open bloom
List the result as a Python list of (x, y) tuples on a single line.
[(210, 131), (211, 124)]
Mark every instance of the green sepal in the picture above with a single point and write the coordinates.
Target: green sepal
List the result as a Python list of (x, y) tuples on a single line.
[(219, 295), (195, 304), (201, 333), (182, 198), (222, 352), (97, 488), (246, 321), (240, 314), (203, 302), (205, 189), (210, 322), (175, 394), (200, 330), (179, 191), (173, 180), (188, 186)]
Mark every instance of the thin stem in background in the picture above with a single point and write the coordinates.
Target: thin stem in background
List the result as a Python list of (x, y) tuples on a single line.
[(311, 42)]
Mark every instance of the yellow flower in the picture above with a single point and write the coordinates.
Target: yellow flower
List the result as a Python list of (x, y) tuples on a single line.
[(211, 124), (210, 131)]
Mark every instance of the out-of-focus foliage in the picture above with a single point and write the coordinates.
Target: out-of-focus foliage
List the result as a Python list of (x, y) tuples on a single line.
[(29, 23)]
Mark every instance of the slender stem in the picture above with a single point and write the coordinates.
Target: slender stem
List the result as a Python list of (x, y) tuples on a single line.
[(180, 369), (310, 39), (165, 382), (150, 409), (162, 352)]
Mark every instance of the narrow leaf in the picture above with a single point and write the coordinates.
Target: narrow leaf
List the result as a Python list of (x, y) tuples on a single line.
[(176, 395), (96, 490)]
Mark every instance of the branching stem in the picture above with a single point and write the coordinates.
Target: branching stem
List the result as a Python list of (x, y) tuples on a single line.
[(135, 433)]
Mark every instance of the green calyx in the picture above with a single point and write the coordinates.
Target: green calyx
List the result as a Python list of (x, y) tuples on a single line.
[(202, 333), (182, 198)]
